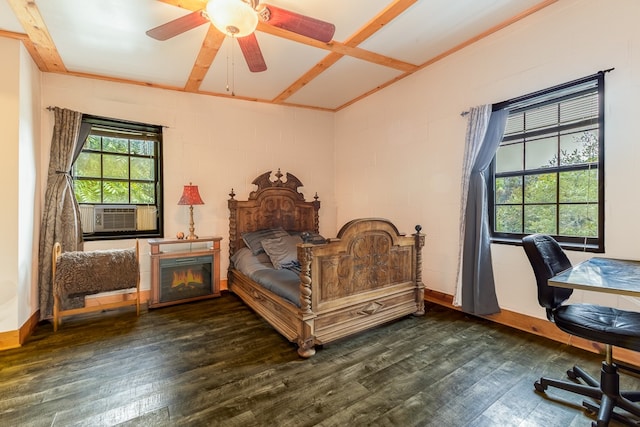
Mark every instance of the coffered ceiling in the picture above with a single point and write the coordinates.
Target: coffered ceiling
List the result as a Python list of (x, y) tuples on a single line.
[(376, 43)]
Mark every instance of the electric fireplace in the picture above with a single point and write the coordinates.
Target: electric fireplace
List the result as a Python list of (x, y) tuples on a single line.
[(185, 278), (184, 275)]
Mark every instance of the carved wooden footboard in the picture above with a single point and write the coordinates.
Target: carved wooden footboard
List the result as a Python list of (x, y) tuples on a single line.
[(369, 275)]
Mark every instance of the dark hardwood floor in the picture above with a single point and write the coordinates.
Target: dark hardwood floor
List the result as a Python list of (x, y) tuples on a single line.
[(215, 362)]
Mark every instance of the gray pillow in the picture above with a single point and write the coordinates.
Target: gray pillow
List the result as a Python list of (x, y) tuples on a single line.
[(248, 263), (253, 239), (282, 250)]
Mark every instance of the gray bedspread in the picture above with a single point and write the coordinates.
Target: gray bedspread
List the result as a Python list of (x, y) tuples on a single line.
[(284, 282)]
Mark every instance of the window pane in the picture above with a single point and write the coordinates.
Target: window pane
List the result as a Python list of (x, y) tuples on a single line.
[(115, 145), (142, 148), (515, 124), (87, 191), (540, 188), (142, 169), (115, 192), (142, 193), (540, 219), (93, 142), (115, 166), (508, 219), (510, 158), (542, 153), (542, 117), (509, 190), (579, 220), (578, 148), (87, 165), (580, 108), (579, 186)]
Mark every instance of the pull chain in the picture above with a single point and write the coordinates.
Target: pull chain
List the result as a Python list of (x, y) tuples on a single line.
[(230, 53)]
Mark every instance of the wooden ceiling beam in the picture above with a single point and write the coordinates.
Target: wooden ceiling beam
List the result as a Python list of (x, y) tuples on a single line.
[(29, 16), (191, 5), (339, 48), (24, 38), (387, 15), (210, 47)]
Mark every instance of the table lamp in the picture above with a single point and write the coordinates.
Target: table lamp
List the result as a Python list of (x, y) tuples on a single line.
[(191, 196)]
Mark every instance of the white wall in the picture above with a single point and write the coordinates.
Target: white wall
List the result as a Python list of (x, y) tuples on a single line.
[(28, 187), (9, 132), (20, 139), (399, 152), (217, 144)]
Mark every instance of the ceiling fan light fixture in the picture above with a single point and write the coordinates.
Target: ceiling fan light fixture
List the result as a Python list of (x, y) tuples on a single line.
[(235, 18)]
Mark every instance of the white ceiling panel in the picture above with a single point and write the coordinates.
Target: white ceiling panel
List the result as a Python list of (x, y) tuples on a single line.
[(8, 20), (432, 27), (119, 44), (347, 79)]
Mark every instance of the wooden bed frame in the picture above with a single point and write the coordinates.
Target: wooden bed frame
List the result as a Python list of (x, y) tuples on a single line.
[(369, 275)]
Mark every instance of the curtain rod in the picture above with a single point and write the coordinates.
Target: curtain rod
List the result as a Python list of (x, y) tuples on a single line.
[(464, 113)]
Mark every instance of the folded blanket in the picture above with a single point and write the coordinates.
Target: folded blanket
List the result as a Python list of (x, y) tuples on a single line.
[(85, 273)]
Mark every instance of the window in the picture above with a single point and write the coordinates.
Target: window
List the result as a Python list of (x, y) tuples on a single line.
[(117, 180), (548, 172)]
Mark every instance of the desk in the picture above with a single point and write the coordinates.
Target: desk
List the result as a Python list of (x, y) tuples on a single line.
[(615, 276)]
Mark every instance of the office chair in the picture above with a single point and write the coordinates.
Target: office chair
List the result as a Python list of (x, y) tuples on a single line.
[(610, 326)]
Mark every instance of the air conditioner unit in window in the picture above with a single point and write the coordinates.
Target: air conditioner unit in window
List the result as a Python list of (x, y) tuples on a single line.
[(114, 218)]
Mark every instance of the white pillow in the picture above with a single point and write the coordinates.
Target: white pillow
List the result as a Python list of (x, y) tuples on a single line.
[(282, 250)]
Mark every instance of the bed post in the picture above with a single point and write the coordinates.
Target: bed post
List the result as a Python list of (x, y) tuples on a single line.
[(233, 226), (316, 216), (305, 338), (57, 250), (419, 238)]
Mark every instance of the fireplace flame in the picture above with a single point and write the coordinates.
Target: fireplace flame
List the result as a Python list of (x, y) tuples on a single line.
[(186, 278)]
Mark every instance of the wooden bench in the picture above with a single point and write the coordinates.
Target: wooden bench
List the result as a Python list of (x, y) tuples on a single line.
[(79, 273)]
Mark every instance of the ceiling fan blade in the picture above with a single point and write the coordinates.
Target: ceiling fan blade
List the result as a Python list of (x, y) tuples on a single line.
[(294, 22), (178, 26), (252, 54)]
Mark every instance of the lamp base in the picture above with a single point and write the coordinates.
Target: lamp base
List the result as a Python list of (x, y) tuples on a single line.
[(192, 228)]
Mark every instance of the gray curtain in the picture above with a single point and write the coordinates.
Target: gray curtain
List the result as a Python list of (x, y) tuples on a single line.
[(477, 287), (61, 215), (477, 122)]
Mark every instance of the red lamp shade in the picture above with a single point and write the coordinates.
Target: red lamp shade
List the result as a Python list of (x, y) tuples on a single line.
[(190, 196)]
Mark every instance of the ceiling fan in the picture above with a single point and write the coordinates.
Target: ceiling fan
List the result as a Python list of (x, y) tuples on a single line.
[(239, 19)]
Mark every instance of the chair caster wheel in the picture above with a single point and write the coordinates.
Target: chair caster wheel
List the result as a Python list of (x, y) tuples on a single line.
[(539, 387), (571, 374)]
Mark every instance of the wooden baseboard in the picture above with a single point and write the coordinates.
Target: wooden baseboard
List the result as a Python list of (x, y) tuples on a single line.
[(541, 327), (15, 339)]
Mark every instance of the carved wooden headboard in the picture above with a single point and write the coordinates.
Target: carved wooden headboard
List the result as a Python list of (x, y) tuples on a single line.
[(274, 204)]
